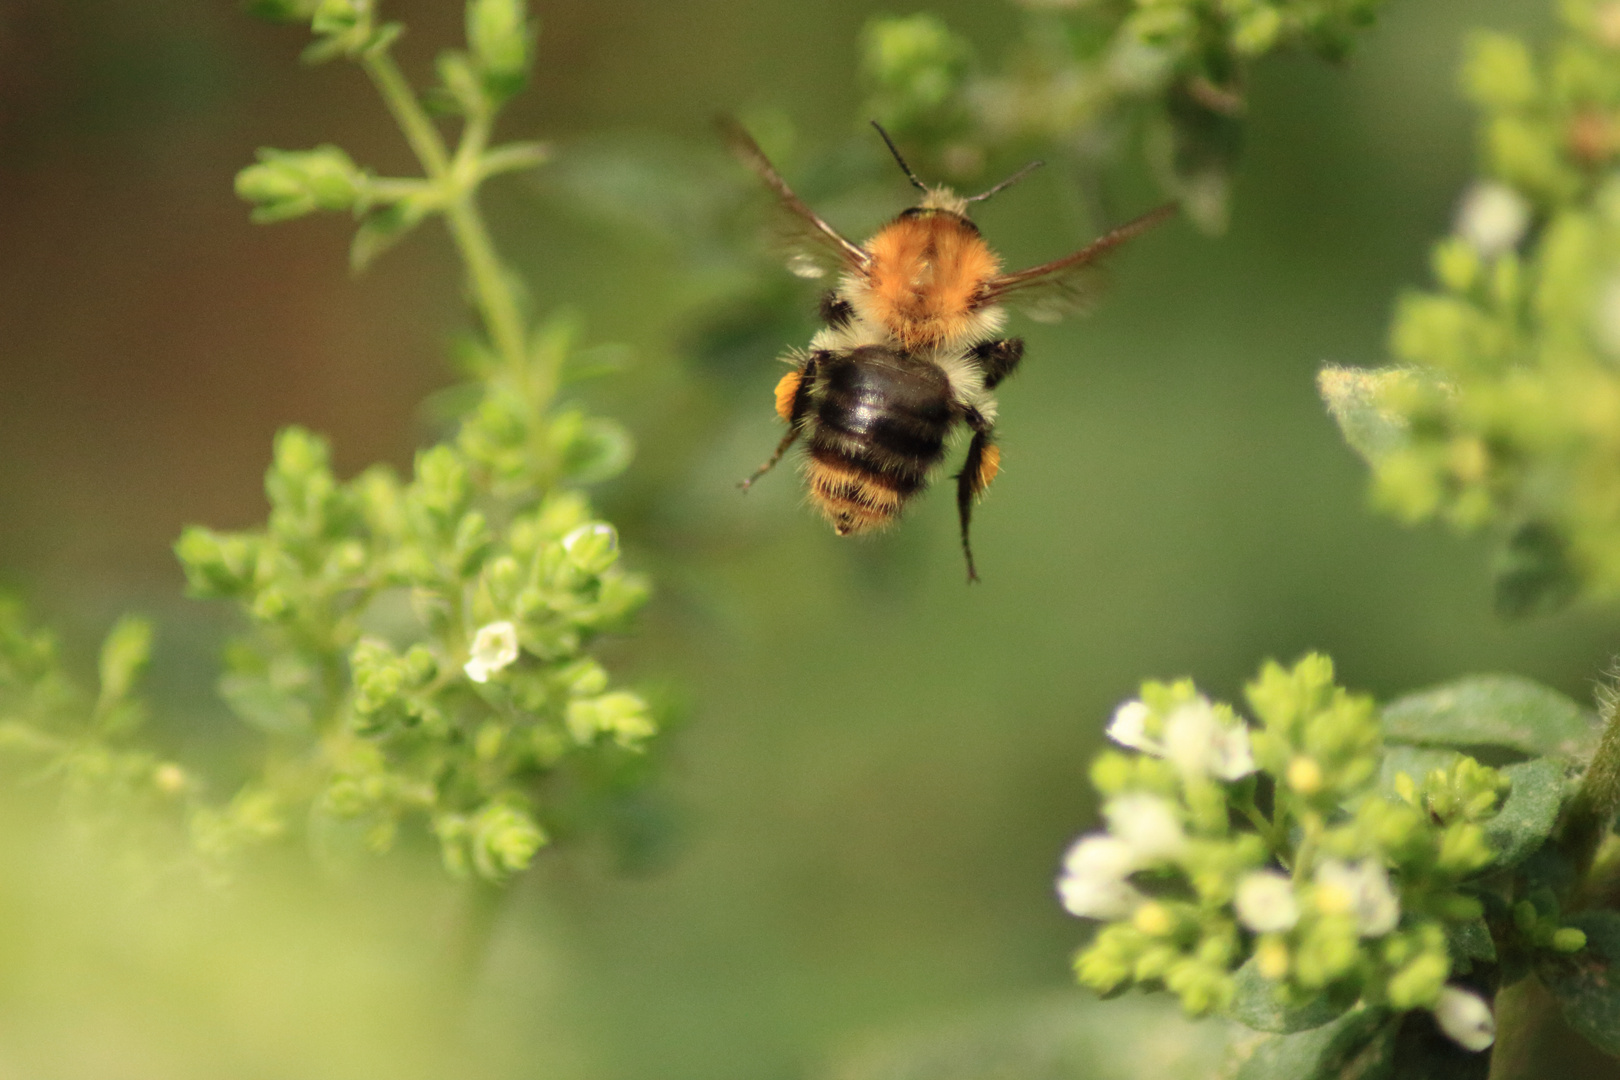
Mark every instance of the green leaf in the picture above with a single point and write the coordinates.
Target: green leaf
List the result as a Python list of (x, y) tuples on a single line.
[(1532, 574), (1493, 710), (1354, 398), (1527, 818), (1255, 1004), (1586, 984), (123, 657), (1358, 1045), (380, 230)]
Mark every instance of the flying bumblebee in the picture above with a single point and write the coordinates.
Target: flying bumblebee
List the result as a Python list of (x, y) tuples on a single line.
[(911, 345)]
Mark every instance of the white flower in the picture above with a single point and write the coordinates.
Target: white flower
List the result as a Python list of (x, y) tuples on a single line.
[(1148, 827), (493, 648), (1266, 903), (1493, 218), (1093, 884), (1361, 890), (1464, 1015), (1129, 729), (1195, 739), (1198, 744)]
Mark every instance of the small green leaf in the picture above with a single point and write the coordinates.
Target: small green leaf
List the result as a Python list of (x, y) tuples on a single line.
[(1354, 397), (1493, 710), (380, 230), (1528, 815), (123, 657), (1358, 1044), (1255, 1004), (1586, 984)]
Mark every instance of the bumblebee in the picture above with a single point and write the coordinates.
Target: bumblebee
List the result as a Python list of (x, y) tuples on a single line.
[(911, 345)]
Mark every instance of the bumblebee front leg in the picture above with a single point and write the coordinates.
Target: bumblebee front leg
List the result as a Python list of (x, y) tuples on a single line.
[(997, 359), (982, 464), (792, 405)]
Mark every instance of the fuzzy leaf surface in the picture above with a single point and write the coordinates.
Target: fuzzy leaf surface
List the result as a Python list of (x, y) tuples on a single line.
[(1503, 711)]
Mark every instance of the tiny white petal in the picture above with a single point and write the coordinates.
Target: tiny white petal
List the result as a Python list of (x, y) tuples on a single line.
[(1232, 758), (1147, 825), (1093, 884), (1365, 890), (1200, 744), (1265, 902), (1493, 218), (494, 647), (1129, 729), (1189, 737), (1465, 1016)]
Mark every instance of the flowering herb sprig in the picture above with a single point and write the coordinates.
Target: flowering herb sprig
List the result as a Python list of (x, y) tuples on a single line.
[(1501, 413), (1329, 860), (418, 646)]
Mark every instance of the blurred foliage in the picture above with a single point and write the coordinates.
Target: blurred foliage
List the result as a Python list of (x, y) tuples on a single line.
[(1503, 413), (1166, 80)]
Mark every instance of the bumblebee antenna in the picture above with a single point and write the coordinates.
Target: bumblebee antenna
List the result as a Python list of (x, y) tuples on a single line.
[(920, 186), (1009, 182)]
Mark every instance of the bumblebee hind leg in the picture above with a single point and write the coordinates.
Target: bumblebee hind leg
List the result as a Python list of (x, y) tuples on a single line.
[(781, 448), (982, 463), (792, 405)]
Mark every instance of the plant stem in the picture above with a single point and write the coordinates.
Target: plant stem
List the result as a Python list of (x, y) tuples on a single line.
[(492, 290), (1592, 811), (1523, 1012)]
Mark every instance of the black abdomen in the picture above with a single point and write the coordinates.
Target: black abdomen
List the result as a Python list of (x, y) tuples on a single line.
[(879, 412)]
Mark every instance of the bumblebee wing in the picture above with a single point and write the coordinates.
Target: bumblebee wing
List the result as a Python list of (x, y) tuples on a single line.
[(1052, 290), (814, 248)]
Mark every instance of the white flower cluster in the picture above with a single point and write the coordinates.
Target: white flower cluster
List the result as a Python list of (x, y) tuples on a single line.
[(1143, 830)]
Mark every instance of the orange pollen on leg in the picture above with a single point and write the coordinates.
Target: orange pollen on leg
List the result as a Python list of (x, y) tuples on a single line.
[(989, 466), (852, 501), (786, 390)]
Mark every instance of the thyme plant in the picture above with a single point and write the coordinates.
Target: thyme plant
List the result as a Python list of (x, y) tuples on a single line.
[(417, 647)]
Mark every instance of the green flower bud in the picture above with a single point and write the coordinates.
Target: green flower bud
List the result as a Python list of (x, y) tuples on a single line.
[(1419, 982), (504, 839), (621, 714), (499, 40), (291, 183), (217, 564), (1256, 32), (917, 64), (1498, 73), (1569, 939), (592, 548)]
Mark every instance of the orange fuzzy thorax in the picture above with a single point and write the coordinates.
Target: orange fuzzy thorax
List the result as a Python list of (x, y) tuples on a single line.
[(925, 278)]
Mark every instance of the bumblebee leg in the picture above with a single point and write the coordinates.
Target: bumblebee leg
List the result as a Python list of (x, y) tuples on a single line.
[(781, 448), (997, 359), (792, 405), (834, 310), (982, 463)]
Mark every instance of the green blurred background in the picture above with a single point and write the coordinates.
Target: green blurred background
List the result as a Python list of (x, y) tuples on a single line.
[(881, 766)]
